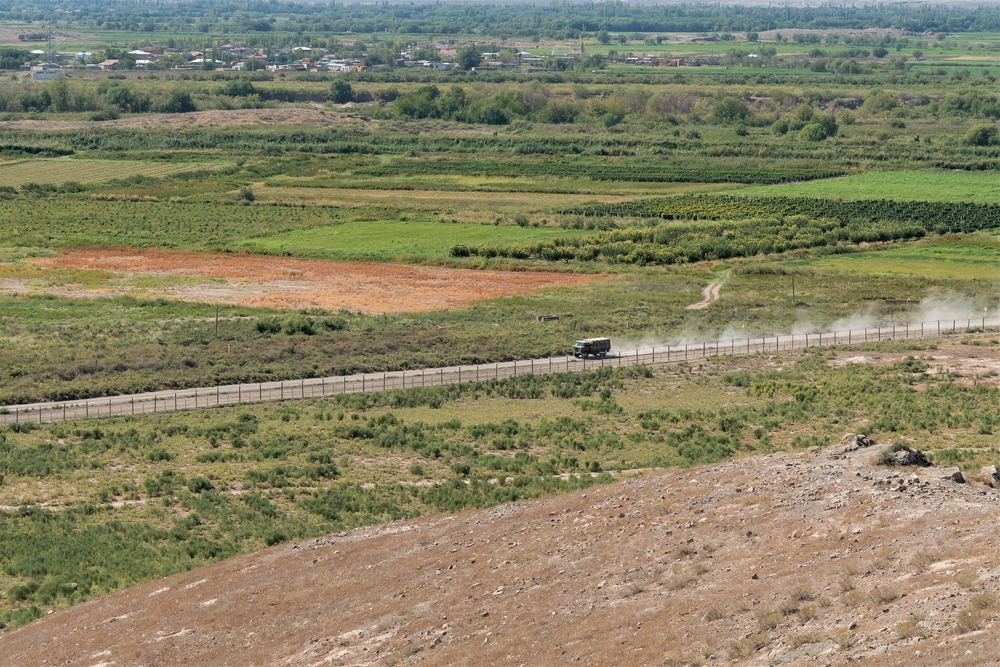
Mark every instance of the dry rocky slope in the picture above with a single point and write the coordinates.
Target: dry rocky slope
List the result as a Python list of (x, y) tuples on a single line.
[(811, 557)]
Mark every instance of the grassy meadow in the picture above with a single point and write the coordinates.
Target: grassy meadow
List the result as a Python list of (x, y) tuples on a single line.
[(927, 185), (386, 240), (974, 256)]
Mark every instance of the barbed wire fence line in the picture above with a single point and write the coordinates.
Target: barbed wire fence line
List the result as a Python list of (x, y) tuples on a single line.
[(204, 397)]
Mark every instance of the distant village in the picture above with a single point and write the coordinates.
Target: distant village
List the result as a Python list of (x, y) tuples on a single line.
[(49, 64)]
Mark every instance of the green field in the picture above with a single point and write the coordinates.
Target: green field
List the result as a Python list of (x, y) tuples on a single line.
[(922, 185), (390, 239), (58, 171), (976, 256)]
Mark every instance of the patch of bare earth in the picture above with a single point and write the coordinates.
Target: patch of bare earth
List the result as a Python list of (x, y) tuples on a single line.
[(282, 282), (285, 116), (813, 557)]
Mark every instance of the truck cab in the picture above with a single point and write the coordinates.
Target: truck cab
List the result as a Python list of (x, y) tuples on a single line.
[(591, 347)]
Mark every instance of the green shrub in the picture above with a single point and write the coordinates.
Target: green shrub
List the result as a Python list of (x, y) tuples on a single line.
[(268, 325), (982, 135)]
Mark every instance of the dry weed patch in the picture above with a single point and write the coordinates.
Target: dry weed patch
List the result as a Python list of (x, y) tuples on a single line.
[(744, 648), (768, 620), (910, 628), (884, 594), (923, 560), (795, 641)]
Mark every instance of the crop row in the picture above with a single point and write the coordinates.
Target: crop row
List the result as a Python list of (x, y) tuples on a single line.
[(699, 241), (652, 172), (936, 216)]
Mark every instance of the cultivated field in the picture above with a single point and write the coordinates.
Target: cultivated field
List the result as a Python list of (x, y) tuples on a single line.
[(59, 171)]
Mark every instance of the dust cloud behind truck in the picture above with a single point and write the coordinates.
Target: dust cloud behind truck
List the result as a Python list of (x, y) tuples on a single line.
[(591, 347)]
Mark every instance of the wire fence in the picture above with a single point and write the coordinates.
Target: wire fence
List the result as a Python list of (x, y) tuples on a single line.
[(188, 399)]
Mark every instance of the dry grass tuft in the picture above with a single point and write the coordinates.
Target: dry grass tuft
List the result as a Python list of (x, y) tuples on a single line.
[(788, 607), (796, 641), (679, 581), (802, 593), (967, 579), (854, 598), (845, 639), (807, 613), (768, 620), (910, 628), (923, 560), (744, 648), (884, 594), (712, 614), (982, 608), (846, 583)]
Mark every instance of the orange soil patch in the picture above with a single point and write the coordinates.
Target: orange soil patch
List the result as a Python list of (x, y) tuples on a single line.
[(283, 282)]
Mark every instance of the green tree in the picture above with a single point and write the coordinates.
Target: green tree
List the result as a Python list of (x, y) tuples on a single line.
[(341, 91), (603, 37), (469, 57), (59, 92), (240, 87), (730, 110), (178, 101)]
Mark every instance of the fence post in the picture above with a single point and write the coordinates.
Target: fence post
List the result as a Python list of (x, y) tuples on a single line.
[(133, 407)]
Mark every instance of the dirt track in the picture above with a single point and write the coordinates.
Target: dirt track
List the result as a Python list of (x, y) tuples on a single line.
[(709, 295), (815, 557)]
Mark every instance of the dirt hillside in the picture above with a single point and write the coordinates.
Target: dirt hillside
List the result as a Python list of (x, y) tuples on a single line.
[(812, 557)]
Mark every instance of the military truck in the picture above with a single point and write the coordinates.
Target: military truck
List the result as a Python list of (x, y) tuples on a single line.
[(591, 347)]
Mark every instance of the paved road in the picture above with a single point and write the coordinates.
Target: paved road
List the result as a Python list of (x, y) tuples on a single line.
[(187, 399)]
